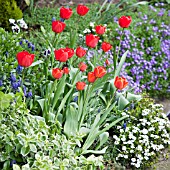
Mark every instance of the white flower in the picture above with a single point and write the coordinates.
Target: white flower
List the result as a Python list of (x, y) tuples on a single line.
[(121, 130), (139, 148), (123, 138), (131, 151), (146, 158), (137, 165), (118, 127), (123, 148), (144, 131), (91, 24), (134, 130), (116, 142), (22, 23), (126, 156), (12, 21), (123, 114), (80, 35), (15, 29), (133, 159)]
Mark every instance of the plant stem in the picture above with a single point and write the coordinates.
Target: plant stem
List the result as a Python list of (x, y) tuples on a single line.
[(116, 57)]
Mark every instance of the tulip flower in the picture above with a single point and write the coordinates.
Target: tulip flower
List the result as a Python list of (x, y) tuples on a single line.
[(106, 46), (58, 26), (61, 55), (25, 59), (82, 10), (120, 83), (80, 85), (100, 29), (70, 52), (107, 62), (91, 77), (65, 13), (82, 67), (125, 21), (91, 40), (99, 71), (66, 70), (57, 73), (80, 52)]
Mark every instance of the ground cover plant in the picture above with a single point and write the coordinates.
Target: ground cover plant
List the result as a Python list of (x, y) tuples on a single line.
[(62, 99)]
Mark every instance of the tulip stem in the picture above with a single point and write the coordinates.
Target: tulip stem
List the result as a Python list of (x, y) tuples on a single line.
[(116, 57)]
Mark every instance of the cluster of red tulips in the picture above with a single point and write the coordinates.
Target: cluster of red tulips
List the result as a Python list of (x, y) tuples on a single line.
[(63, 54)]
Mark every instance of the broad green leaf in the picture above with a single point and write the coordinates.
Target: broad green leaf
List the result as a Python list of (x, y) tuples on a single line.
[(132, 97), (118, 69), (122, 102), (25, 151), (71, 123), (103, 138), (5, 100), (59, 90), (33, 148), (41, 103), (36, 63), (27, 2), (96, 152)]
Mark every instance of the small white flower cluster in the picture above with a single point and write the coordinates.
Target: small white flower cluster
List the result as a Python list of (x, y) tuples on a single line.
[(143, 137), (16, 25)]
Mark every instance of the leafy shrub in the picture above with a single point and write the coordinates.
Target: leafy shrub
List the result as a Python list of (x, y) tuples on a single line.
[(138, 142), (27, 141), (9, 10)]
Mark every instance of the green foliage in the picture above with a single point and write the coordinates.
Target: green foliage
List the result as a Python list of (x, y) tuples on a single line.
[(138, 141), (9, 10), (29, 141)]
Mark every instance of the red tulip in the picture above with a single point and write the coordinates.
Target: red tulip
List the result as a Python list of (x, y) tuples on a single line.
[(80, 52), (91, 40), (25, 59), (100, 29), (66, 70), (120, 82), (107, 62), (125, 21), (58, 26), (82, 10), (106, 46), (70, 52), (61, 55), (99, 71), (57, 73), (65, 13), (80, 85), (82, 67), (91, 77)]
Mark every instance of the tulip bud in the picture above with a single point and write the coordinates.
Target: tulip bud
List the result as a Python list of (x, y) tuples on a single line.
[(91, 77), (80, 52), (80, 85), (66, 70), (125, 21), (100, 29), (106, 46), (82, 67), (25, 59), (65, 13), (57, 73), (120, 83), (58, 26), (91, 40), (99, 71), (82, 10)]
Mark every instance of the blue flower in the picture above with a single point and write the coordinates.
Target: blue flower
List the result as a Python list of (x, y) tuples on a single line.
[(19, 69), (12, 162), (53, 19), (75, 99), (14, 85), (1, 83), (12, 78), (124, 126), (32, 47), (29, 94), (61, 19)]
